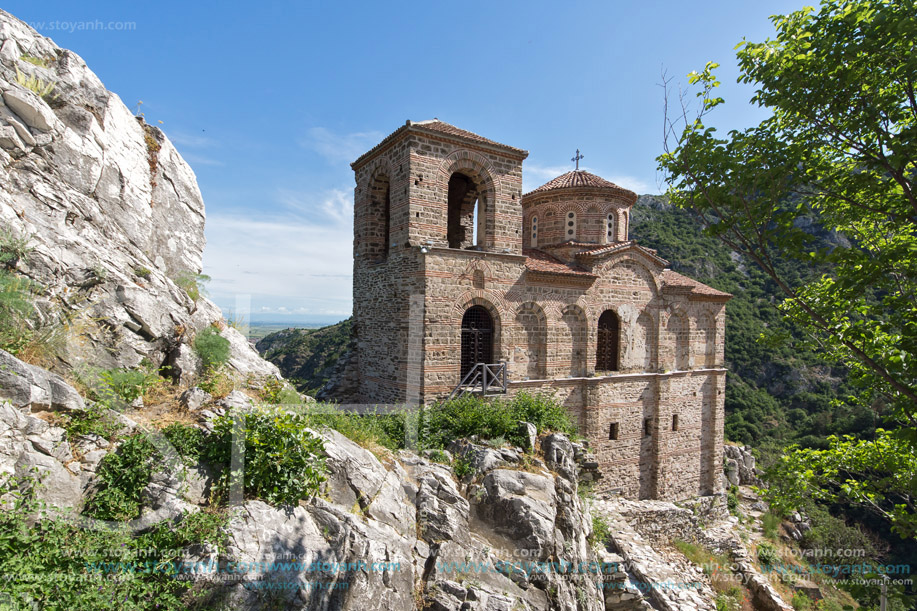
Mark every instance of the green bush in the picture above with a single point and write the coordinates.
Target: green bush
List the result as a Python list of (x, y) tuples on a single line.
[(801, 602), (828, 532), (122, 476), (36, 85), (125, 384), (35, 60), (143, 272), (767, 555), (212, 348), (462, 467), (187, 440), (96, 419), (769, 523), (283, 461), (438, 425), (191, 283), (278, 392), (16, 310), (732, 500), (601, 531), (111, 568), (13, 248), (490, 419), (374, 428)]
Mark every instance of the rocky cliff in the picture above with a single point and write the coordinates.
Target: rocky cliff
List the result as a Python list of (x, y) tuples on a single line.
[(111, 212)]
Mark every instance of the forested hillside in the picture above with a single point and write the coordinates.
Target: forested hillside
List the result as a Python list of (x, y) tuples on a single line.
[(306, 356)]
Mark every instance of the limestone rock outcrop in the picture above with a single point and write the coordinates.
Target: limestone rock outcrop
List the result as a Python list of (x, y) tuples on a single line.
[(112, 213), (404, 534), (739, 466)]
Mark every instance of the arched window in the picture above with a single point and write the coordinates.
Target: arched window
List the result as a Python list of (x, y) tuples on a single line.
[(461, 211), (608, 346), (477, 338), (534, 240), (610, 228), (571, 226)]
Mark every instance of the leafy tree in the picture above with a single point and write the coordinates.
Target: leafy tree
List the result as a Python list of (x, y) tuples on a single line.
[(838, 155)]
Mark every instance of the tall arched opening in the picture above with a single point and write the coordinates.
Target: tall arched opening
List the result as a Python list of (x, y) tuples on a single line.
[(477, 338)]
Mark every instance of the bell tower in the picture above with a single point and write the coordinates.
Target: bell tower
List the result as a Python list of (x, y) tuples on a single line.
[(428, 185)]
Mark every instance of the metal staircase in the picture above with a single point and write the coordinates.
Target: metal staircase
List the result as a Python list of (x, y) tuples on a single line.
[(485, 379)]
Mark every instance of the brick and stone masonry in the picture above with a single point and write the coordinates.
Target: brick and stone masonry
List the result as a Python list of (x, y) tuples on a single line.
[(634, 350)]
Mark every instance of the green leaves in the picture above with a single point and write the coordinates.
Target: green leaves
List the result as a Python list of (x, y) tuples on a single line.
[(829, 180), (212, 348), (491, 419), (880, 474), (284, 462)]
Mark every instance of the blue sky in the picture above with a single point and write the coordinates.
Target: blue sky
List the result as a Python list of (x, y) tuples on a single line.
[(270, 103)]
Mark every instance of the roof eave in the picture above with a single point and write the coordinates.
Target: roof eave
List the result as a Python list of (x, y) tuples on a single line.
[(627, 194), (410, 126)]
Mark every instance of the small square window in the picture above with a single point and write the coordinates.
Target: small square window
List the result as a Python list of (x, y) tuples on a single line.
[(613, 429), (674, 422), (647, 427)]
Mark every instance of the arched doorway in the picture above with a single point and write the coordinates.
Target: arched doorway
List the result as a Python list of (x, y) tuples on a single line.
[(607, 349), (477, 338)]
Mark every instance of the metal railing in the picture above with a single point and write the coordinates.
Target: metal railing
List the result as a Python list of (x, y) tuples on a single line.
[(483, 378)]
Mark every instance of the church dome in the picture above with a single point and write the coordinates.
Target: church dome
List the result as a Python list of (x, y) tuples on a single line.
[(581, 179), (577, 207)]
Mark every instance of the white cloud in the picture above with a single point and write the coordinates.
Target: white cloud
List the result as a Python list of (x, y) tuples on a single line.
[(288, 263), (194, 160), (340, 147), (335, 205), (193, 141)]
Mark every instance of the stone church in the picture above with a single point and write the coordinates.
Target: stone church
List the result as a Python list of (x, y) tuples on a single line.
[(462, 282)]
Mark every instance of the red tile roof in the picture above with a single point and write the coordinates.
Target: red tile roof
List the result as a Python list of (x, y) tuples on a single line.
[(442, 128), (581, 178), (446, 128), (541, 262), (604, 249), (693, 287)]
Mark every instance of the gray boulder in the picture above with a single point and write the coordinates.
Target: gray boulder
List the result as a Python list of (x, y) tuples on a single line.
[(237, 400), (55, 484), (559, 455), (331, 546), (522, 507), (194, 398), (25, 385)]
